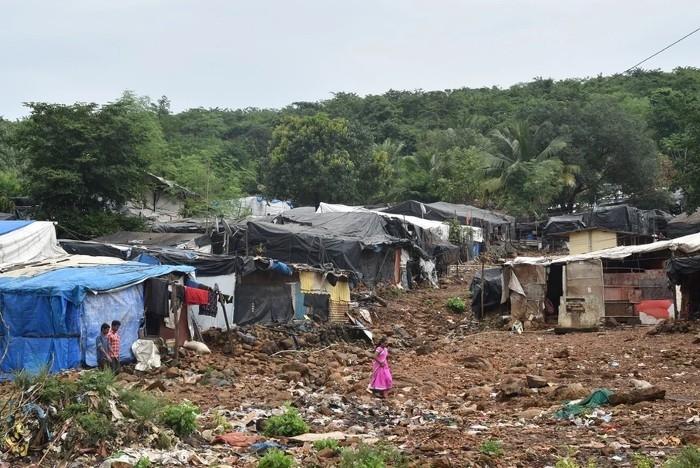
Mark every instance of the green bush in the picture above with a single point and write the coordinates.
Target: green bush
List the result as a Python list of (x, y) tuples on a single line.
[(288, 424), (639, 460), (99, 381), (689, 457), (274, 458), (367, 456), (97, 426), (143, 406), (327, 444), (143, 462), (55, 391), (456, 304), (492, 448), (182, 418)]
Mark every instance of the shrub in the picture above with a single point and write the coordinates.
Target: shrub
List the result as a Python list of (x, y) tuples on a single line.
[(142, 406), (55, 391), (456, 304), (689, 457), (73, 409), (492, 448), (327, 444), (275, 459), (288, 424), (97, 426), (570, 462), (182, 418), (367, 456), (99, 381), (639, 460), (143, 462)]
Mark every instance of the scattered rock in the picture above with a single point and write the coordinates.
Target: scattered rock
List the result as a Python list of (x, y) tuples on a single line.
[(172, 372), (477, 362), (569, 392), (326, 453), (636, 396), (425, 349), (536, 381), (562, 353)]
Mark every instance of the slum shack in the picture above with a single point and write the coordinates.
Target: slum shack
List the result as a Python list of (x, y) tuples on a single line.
[(624, 284)]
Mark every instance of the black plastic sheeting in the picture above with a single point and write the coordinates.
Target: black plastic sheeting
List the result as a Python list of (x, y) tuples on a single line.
[(206, 264), (95, 249), (677, 267), (493, 289), (563, 223), (443, 211), (263, 303), (371, 259), (620, 218), (683, 225)]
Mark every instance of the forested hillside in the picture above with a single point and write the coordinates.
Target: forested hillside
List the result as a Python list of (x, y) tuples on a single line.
[(535, 146)]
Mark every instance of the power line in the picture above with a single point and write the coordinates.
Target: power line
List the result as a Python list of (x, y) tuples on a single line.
[(665, 48)]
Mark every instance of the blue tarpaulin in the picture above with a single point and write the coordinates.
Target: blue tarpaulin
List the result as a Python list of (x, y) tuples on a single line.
[(73, 283), (49, 319), (9, 226)]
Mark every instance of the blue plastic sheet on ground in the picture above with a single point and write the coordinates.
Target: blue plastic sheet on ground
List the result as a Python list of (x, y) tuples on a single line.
[(126, 306), (74, 283), (9, 226), (34, 354)]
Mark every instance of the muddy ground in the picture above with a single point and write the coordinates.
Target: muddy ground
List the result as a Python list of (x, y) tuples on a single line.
[(452, 384), (458, 384)]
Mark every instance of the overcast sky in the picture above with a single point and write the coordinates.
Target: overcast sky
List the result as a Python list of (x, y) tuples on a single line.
[(264, 53)]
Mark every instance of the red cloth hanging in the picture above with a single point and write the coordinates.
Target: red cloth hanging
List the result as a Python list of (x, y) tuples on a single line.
[(196, 296)]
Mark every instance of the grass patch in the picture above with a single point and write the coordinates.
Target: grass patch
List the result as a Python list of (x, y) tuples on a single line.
[(97, 426), (275, 458), (327, 444), (639, 460), (288, 424), (368, 456), (456, 304), (143, 406), (98, 381), (182, 418), (143, 462), (689, 457), (570, 462), (492, 448)]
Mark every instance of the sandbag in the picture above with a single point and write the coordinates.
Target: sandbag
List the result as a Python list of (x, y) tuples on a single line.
[(197, 346)]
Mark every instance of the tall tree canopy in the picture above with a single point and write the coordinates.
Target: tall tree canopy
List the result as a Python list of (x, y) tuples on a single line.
[(635, 135)]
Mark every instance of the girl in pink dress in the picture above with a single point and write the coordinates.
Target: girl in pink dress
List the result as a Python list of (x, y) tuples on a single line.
[(381, 381)]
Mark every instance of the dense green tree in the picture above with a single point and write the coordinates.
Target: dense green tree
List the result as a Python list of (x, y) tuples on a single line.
[(85, 158), (317, 158)]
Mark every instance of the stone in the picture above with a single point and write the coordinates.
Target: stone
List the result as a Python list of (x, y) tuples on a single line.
[(172, 372), (536, 381), (326, 453), (291, 376), (569, 392), (562, 353), (424, 349), (477, 362), (298, 367)]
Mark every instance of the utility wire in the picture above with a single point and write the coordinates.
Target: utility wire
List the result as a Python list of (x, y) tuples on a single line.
[(665, 48)]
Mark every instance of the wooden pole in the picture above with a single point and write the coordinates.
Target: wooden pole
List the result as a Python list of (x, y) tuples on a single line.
[(673, 287), (481, 313), (176, 313)]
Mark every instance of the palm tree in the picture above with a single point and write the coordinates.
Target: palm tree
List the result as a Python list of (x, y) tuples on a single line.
[(517, 152)]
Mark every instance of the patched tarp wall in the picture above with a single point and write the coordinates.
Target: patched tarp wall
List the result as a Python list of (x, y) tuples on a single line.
[(125, 305), (39, 331), (52, 318), (493, 289)]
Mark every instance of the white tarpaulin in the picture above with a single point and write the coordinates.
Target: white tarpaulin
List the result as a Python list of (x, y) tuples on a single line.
[(438, 228), (147, 355), (685, 245), (33, 242), (260, 206)]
